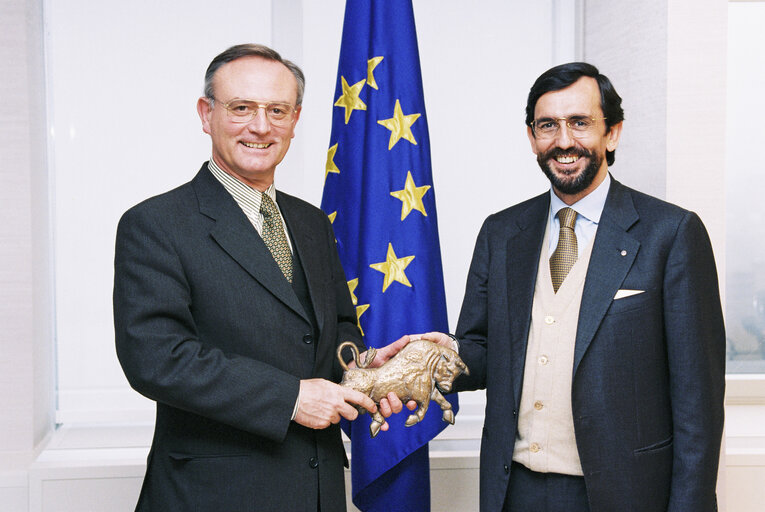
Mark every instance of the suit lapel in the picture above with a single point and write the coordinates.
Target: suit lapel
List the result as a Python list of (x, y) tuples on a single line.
[(613, 254), (237, 237), (523, 250)]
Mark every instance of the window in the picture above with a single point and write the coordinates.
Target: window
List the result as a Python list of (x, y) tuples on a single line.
[(745, 183)]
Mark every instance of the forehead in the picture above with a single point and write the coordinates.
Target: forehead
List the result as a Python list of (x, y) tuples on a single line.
[(255, 78), (581, 97)]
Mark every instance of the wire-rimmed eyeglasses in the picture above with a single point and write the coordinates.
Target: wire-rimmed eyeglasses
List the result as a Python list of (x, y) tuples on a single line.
[(579, 126)]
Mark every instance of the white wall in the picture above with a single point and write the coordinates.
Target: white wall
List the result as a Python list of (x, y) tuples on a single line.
[(611, 33)]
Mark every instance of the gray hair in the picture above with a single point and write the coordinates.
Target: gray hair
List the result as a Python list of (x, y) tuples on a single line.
[(252, 50)]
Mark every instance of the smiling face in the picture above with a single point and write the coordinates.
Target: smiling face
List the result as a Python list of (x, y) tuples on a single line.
[(574, 166), (249, 151)]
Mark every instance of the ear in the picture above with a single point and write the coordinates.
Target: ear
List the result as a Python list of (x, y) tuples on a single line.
[(532, 139), (298, 110), (612, 137), (205, 112)]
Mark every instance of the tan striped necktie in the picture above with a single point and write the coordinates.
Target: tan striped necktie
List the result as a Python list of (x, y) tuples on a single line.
[(274, 236), (566, 253)]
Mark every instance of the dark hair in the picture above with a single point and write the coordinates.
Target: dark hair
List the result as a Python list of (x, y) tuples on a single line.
[(252, 50), (560, 77)]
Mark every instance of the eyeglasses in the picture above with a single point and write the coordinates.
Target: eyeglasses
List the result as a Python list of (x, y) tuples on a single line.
[(244, 111), (579, 126)]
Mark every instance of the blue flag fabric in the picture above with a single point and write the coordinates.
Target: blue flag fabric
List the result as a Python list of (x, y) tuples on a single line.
[(379, 194)]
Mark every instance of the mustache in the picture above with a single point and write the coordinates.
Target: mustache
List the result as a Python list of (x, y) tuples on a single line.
[(556, 152)]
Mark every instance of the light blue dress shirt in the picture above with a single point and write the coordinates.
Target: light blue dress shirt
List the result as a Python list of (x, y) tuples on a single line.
[(588, 211)]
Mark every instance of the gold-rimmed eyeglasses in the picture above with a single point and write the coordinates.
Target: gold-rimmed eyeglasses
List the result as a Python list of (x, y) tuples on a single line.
[(244, 111), (579, 126)]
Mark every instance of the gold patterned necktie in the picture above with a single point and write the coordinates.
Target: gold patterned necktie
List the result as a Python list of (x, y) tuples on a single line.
[(566, 253), (274, 236)]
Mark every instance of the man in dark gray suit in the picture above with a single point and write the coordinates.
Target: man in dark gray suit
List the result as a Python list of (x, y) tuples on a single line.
[(229, 304), (592, 317)]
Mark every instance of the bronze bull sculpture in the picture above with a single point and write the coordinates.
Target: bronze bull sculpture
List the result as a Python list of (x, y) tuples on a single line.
[(421, 371)]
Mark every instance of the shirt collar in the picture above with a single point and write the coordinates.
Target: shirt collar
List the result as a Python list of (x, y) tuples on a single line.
[(232, 184), (590, 206)]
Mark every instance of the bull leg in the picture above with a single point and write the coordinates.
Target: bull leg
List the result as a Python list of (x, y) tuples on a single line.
[(377, 421), (418, 415), (445, 405)]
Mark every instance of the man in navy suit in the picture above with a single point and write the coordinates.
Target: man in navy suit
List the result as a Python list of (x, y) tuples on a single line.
[(229, 304), (592, 318)]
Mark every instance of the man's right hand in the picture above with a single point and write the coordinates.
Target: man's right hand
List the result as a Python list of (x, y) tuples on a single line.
[(322, 403)]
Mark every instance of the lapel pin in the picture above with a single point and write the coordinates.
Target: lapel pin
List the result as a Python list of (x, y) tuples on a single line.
[(624, 253)]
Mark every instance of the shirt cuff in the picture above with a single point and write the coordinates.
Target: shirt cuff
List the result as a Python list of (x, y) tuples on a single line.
[(295, 410)]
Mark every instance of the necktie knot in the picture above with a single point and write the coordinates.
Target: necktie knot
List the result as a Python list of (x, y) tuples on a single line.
[(267, 206), (567, 217)]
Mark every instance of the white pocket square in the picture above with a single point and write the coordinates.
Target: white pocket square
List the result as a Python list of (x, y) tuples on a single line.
[(626, 293)]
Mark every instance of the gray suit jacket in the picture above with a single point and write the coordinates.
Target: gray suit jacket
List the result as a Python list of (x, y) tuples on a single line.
[(207, 326), (649, 369)]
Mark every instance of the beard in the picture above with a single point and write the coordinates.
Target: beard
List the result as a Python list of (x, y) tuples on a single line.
[(570, 183)]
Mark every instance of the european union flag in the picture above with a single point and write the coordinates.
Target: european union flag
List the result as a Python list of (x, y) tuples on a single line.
[(379, 194)]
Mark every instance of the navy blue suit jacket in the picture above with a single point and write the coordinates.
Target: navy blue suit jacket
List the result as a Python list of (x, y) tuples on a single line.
[(207, 326), (649, 369)]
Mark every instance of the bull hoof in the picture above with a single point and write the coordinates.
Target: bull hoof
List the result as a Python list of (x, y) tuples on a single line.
[(449, 416), (412, 420), (374, 429)]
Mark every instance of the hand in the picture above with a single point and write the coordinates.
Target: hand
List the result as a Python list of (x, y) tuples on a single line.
[(322, 403), (383, 354), (388, 351), (438, 338), (392, 405)]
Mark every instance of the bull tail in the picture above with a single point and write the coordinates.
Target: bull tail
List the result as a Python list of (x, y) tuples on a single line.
[(356, 356)]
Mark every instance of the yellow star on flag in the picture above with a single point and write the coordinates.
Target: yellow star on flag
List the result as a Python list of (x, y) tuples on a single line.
[(371, 65), (350, 98), (360, 311), (393, 268), (330, 166), (332, 216), (352, 284), (411, 196), (399, 126)]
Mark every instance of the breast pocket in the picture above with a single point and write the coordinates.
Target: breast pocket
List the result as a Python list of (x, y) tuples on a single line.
[(640, 300)]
